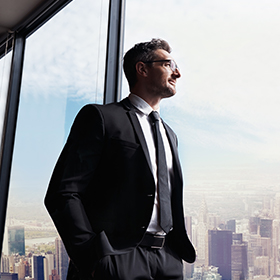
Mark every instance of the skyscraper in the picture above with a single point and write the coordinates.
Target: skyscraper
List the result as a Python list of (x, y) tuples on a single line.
[(201, 234), (5, 265), (239, 259), (188, 268), (48, 265), (219, 251), (266, 228), (38, 267), (16, 242), (61, 259), (231, 225), (254, 224)]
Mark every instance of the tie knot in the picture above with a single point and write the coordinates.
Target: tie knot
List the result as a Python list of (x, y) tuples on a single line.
[(154, 116)]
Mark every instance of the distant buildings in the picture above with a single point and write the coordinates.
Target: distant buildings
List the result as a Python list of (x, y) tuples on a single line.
[(247, 249), (219, 242), (45, 266), (16, 240)]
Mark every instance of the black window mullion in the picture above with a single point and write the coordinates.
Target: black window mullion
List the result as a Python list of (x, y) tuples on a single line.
[(9, 128)]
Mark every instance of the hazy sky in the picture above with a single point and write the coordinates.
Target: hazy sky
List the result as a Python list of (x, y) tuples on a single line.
[(225, 113)]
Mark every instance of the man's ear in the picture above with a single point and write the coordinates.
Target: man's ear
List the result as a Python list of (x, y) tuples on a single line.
[(141, 69)]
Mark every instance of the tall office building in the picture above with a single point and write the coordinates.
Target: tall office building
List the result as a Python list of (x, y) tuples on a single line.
[(38, 267), (48, 265), (61, 259), (188, 268), (275, 246), (277, 206), (231, 225), (213, 221), (239, 259), (219, 251), (21, 270), (254, 225), (201, 234), (188, 224), (16, 241), (266, 228), (5, 265)]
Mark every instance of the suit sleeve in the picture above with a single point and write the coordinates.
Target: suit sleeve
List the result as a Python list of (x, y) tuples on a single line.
[(73, 172)]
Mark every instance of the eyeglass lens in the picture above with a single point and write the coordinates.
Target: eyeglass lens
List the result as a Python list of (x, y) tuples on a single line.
[(173, 65)]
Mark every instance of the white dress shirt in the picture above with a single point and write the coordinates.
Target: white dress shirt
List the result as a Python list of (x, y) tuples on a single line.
[(143, 109)]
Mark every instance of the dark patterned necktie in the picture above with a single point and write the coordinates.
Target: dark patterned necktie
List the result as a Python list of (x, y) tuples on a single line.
[(162, 174)]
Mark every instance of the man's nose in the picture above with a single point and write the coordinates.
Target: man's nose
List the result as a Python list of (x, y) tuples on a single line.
[(177, 73)]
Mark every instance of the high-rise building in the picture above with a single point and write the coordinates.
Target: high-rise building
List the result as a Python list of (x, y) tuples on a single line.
[(61, 259), (277, 206), (188, 268), (219, 251), (38, 267), (231, 225), (16, 241), (275, 246), (266, 228), (21, 270), (239, 260), (48, 265), (254, 224), (201, 234), (5, 265), (188, 224)]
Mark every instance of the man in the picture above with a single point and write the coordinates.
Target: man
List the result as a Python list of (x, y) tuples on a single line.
[(115, 195)]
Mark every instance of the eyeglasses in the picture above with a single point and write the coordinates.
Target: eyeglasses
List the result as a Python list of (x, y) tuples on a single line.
[(173, 66)]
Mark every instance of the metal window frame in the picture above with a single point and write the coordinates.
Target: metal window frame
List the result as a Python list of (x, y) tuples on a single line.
[(112, 84), (113, 73), (9, 128)]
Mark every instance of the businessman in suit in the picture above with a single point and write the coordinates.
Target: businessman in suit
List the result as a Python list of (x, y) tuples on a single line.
[(115, 195)]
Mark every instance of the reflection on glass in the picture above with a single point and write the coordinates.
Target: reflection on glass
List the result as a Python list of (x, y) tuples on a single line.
[(63, 70), (226, 116)]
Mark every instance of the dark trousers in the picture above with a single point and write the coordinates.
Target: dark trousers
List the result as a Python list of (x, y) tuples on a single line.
[(140, 264)]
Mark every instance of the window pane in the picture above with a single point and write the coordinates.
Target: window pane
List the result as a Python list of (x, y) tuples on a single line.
[(63, 70), (226, 116)]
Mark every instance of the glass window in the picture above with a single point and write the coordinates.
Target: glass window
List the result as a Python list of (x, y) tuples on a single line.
[(64, 69), (226, 116)]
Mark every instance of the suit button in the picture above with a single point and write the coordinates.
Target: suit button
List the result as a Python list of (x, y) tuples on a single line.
[(150, 195), (143, 227)]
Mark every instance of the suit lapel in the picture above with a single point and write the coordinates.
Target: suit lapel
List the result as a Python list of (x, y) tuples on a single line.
[(138, 130)]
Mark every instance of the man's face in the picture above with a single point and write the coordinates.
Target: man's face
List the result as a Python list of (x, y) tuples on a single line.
[(161, 78)]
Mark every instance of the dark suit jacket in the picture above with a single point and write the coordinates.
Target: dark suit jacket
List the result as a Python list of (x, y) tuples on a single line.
[(99, 196)]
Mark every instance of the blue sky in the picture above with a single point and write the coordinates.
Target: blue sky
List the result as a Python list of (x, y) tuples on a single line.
[(226, 110)]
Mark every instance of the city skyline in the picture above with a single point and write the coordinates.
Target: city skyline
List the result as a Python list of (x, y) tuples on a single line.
[(254, 239)]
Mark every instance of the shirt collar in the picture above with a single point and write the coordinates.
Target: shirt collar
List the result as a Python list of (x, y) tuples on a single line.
[(140, 104)]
